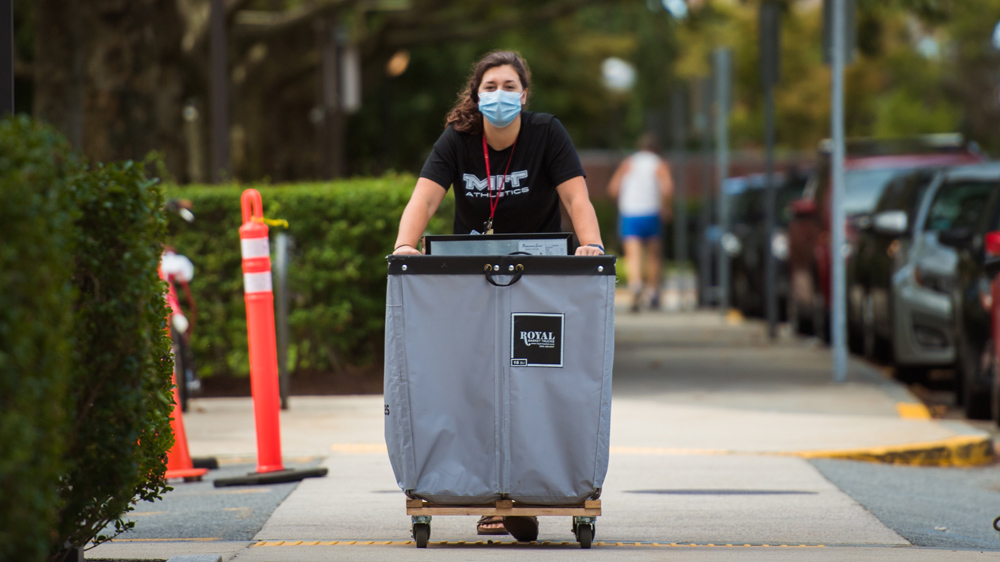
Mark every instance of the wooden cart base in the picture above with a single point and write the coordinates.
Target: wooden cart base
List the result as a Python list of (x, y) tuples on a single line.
[(584, 515)]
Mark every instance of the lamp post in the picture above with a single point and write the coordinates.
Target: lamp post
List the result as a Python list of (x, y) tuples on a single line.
[(770, 49), (723, 68), (838, 326)]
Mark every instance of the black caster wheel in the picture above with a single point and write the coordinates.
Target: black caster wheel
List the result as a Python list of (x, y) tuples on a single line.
[(585, 535), (421, 534), (192, 478)]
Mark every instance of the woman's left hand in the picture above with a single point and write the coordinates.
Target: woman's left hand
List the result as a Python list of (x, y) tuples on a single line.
[(589, 251)]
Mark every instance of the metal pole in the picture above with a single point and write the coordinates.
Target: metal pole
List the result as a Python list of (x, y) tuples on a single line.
[(220, 95), (770, 64), (679, 168), (722, 77), (281, 278), (6, 57), (838, 308), (770, 212), (705, 209)]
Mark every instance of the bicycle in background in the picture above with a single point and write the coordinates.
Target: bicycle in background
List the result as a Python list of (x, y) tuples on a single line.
[(176, 269)]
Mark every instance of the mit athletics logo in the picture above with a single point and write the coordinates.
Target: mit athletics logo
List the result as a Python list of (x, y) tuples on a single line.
[(475, 187), (536, 339)]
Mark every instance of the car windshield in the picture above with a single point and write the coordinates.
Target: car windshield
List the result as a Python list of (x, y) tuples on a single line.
[(959, 204), (863, 188)]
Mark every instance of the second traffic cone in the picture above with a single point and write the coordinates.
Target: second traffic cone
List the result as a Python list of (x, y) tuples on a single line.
[(179, 464)]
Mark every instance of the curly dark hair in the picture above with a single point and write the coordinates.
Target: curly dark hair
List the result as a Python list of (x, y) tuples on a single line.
[(465, 115)]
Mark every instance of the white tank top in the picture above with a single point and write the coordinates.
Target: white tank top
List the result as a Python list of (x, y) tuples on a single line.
[(640, 192)]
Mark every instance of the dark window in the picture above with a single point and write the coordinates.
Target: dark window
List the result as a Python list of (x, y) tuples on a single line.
[(959, 204), (863, 188)]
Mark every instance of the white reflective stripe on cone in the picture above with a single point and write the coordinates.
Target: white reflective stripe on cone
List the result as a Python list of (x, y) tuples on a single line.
[(257, 282), (255, 248)]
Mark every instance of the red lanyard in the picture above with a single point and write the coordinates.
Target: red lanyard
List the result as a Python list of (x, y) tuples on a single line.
[(489, 182)]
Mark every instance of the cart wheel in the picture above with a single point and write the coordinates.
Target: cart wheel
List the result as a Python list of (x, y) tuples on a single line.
[(421, 533), (585, 534)]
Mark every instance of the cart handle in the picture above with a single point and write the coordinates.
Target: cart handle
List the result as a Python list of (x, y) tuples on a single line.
[(515, 276)]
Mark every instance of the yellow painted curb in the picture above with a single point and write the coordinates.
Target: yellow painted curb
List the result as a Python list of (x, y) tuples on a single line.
[(912, 411), (734, 317), (961, 450)]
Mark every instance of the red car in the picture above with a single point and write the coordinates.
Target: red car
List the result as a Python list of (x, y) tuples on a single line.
[(869, 165)]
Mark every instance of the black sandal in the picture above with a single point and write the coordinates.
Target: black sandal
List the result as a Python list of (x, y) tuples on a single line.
[(522, 528), (483, 529)]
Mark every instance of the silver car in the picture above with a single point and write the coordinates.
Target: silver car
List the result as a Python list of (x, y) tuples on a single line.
[(900, 275)]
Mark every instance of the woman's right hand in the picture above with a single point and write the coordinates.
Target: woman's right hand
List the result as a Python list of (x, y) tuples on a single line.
[(406, 250)]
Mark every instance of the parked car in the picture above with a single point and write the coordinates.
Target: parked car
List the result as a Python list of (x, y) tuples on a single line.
[(748, 244), (870, 165), (898, 307), (973, 294)]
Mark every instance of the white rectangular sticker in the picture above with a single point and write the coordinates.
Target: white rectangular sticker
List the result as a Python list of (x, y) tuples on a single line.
[(257, 282), (542, 247), (255, 248)]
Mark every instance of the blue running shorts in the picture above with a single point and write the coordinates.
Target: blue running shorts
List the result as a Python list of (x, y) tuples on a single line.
[(643, 226)]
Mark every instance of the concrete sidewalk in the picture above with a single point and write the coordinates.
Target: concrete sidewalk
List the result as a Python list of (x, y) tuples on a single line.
[(685, 383), (701, 404)]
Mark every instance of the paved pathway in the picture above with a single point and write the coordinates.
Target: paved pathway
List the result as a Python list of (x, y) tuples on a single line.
[(712, 429)]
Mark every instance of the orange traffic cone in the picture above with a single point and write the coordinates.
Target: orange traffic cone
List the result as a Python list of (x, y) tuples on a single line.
[(179, 464), (259, 298)]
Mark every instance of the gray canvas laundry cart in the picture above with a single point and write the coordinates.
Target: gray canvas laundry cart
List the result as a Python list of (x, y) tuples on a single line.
[(498, 385)]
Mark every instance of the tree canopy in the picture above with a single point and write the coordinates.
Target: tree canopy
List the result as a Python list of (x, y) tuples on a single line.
[(123, 78)]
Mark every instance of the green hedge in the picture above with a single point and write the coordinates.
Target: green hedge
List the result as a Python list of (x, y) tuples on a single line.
[(342, 232), (122, 372), (37, 215), (85, 368)]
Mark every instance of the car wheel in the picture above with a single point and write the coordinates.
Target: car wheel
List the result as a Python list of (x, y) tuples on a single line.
[(910, 375), (819, 317), (975, 366), (995, 390), (995, 400), (868, 338), (795, 317)]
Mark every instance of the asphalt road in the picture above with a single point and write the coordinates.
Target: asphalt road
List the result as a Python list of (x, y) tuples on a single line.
[(935, 507), (200, 510)]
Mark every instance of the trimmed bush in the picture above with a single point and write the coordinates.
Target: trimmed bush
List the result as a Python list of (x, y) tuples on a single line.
[(85, 369), (121, 377), (36, 295), (342, 232)]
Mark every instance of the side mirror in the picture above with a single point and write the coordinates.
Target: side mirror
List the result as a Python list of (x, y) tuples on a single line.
[(803, 207), (958, 238), (862, 221), (891, 223)]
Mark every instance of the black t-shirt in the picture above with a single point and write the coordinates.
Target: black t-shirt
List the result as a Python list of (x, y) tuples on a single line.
[(544, 157)]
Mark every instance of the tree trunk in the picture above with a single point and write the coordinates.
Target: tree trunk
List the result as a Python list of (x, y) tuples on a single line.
[(59, 67), (108, 75)]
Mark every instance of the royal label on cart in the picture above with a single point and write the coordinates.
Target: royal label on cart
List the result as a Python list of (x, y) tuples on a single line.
[(536, 339)]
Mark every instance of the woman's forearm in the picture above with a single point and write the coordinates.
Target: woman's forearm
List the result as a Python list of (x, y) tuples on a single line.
[(424, 202), (584, 219), (412, 224)]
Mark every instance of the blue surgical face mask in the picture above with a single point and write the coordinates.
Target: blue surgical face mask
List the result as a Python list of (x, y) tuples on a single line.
[(500, 107)]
